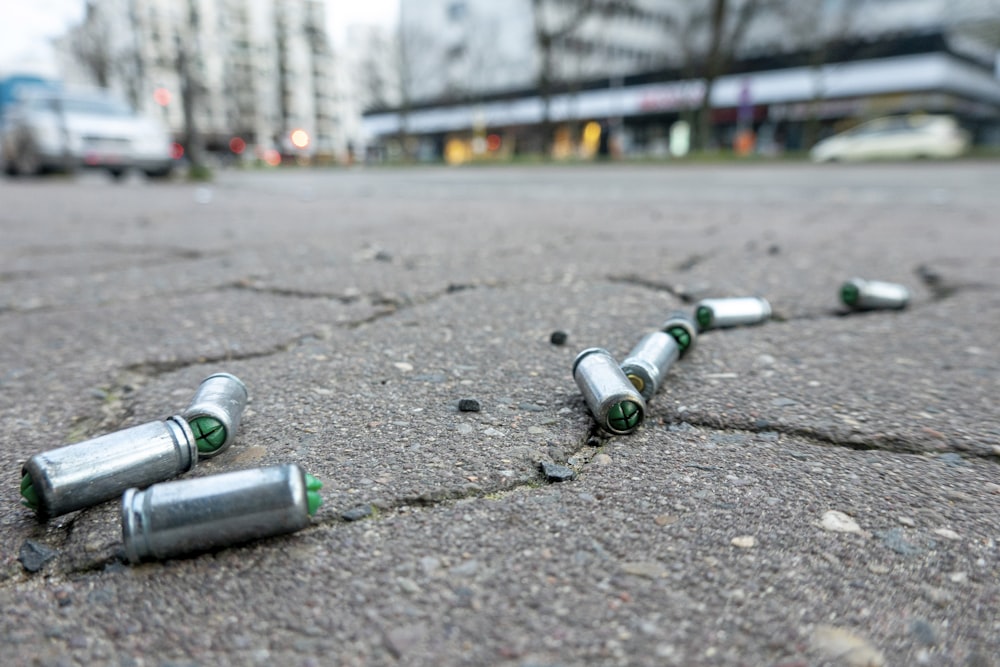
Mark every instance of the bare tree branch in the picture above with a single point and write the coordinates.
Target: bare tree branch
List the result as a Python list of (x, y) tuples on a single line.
[(548, 38), (91, 45)]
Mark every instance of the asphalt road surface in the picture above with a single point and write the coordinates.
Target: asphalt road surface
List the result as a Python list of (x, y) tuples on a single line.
[(820, 489)]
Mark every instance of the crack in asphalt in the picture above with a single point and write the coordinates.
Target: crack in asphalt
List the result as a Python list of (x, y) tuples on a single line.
[(940, 289), (114, 554), (677, 291), (854, 440), (136, 374), (297, 293), (157, 256), (579, 458)]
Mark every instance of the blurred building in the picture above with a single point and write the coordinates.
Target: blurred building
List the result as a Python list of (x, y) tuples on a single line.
[(476, 69), (256, 70)]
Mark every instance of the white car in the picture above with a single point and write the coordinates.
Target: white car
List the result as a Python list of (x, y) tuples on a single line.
[(64, 130), (895, 137)]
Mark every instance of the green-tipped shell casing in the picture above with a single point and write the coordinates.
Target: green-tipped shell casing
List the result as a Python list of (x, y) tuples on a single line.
[(704, 317), (28, 496), (624, 416), (313, 498), (209, 433), (849, 293), (681, 336)]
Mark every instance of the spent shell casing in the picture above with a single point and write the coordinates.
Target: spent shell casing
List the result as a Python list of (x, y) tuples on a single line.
[(733, 312), (195, 515), (215, 411), (683, 328), (648, 362), (615, 403), (860, 294), (87, 473)]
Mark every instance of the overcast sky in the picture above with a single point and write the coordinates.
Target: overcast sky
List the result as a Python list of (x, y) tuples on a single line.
[(26, 26)]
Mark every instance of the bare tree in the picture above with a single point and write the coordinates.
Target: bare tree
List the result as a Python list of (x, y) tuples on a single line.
[(727, 22), (131, 65), (108, 57), (554, 23), (375, 71), (413, 67), (191, 87), (817, 26), (394, 70), (91, 45)]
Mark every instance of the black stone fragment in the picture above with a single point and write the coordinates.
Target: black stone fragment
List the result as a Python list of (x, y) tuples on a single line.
[(468, 405), (558, 338), (34, 556), (557, 473)]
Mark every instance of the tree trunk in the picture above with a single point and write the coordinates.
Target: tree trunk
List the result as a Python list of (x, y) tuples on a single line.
[(711, 70)]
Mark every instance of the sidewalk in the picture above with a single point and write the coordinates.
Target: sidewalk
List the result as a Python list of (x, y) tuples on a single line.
[(819, 489)]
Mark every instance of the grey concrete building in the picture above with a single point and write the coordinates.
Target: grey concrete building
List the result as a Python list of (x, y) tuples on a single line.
[(258, 69), (469, 70)]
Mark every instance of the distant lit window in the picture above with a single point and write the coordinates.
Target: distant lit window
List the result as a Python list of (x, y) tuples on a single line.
[(300, 138)]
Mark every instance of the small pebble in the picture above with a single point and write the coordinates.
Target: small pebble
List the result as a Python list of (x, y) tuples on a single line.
[(947, 534), (466, 569), (893, 539), (34, 556), (468, 405), (357, 513), (839, 522), (845, 647), (557, 473), (558, 338), (906, 521), (744, 541), (923, 631), (647, 569)]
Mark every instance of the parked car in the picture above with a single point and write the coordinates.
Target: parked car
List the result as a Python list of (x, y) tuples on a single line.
[(896, 137), (63, 130)]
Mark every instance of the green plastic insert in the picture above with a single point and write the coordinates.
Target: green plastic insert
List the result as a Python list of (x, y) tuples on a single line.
[(704, 317), (28, 496), (624, 416), (209, 433), (849, 293), (313, 498), (682, 337)]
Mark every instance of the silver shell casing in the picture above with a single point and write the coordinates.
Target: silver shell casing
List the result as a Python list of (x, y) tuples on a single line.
[(733, 312), (604, 386), (648, 362), (195, 515), (223, 397), (681, 319), (878, 295), (90, 472)]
